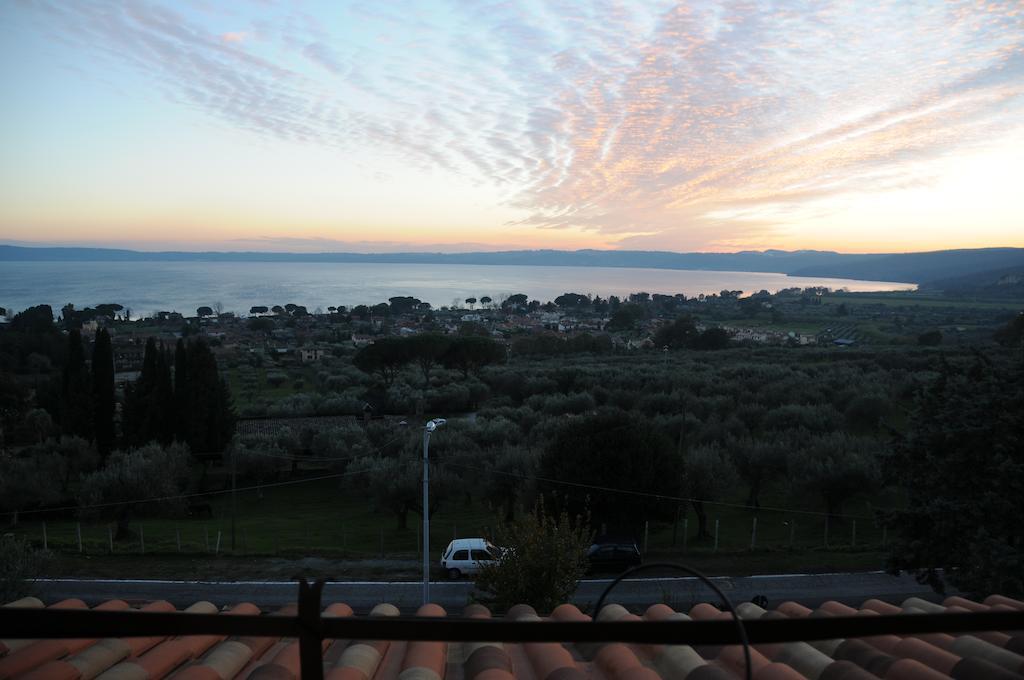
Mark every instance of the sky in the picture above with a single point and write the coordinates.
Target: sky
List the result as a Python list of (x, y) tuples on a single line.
[(882, 126)]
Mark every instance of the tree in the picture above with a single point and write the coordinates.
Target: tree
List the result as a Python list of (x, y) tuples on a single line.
[(758, 461), (263, 325), (427, 349), (961, 465), (612, 449), (471, 353), (708, 474), (38, 319), (26, 483), (625, 317), (20, 565), (210, 417), (129, 479), (1012, 334), (395, 484), (471, 301), (711, 338), (678, 334), (258, 309), (76, 392), (182, 392), (836, 466), (204, 311), (149, 404), (517, 302), (572, 300), (403, 305), (512, 469), (485, 300), (930, 338), (103, 392), (385, 357), (39, 423), (546, 557)]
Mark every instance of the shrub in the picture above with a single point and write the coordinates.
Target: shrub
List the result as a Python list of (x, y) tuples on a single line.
[(545, 560), (19, 563)]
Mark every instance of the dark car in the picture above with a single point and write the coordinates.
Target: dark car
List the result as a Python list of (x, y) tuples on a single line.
[(613, 557)]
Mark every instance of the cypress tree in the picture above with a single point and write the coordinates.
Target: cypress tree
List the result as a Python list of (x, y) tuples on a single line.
[(103, 392), (76, 396), (182, 390), (163, 399), (209, 421), (149, 403)]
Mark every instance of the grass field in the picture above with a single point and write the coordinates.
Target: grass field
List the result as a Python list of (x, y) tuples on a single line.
[(320, 525)]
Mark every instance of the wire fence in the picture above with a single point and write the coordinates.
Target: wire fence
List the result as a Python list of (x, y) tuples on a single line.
[(358, 539)]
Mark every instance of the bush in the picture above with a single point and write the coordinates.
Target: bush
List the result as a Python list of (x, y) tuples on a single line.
[(19, 563), (546, 557)]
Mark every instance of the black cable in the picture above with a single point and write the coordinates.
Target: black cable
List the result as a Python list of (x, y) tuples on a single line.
[(693, 572)]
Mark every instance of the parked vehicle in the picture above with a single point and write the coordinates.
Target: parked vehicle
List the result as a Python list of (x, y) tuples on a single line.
[(611, 557), (465, 556)]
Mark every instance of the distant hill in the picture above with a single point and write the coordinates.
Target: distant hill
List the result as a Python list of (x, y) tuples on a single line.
[(904, 267), (1003, 282), (919, 267)]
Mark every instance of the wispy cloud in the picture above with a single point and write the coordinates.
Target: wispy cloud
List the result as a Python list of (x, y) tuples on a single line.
[(699, 123)]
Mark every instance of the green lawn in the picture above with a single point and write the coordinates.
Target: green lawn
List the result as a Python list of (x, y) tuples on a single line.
[(320, 519)]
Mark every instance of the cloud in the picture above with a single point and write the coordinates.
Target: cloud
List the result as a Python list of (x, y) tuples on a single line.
[(692, 123)]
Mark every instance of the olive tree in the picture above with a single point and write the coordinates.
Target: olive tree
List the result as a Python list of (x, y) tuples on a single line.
[(153, 478)]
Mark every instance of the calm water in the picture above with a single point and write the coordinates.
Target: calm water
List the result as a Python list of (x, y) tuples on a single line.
[(146, 287)]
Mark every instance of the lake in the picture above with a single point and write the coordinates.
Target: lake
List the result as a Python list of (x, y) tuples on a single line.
[(147, 287)]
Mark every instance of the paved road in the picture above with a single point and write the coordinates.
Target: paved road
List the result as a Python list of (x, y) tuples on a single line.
[(680, 593)]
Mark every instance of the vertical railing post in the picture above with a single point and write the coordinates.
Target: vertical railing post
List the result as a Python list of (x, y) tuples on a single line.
[(311, 636)]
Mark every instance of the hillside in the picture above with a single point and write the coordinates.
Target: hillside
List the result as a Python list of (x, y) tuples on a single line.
[(902, 267)]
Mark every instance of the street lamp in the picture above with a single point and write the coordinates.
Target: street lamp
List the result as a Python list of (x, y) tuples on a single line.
[(427, 429)]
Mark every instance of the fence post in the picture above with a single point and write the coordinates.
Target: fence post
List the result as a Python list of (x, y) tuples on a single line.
[(885, 529), (716, 535), (216, 551), (647, 527), (206, 533), (792, 532), (753, 534), (45, 543), (78, 529), (142, 539), (245, 541), (826, 531), (110, 538), (853, 539), (686, 531), (177, 536)]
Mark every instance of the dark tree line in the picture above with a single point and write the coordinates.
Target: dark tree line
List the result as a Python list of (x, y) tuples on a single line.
[(962, 466), (195, 407), (386, 357)]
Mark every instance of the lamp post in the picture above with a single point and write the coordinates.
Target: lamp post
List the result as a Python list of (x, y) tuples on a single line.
[(427, 430)]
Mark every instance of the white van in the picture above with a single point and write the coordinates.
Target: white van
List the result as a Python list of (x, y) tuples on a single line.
[(465, 556)]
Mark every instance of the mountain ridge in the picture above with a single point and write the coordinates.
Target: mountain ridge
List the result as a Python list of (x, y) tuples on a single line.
[(914, 267)]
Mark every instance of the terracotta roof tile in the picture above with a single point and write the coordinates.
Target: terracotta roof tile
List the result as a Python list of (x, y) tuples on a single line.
[(987, 654)]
